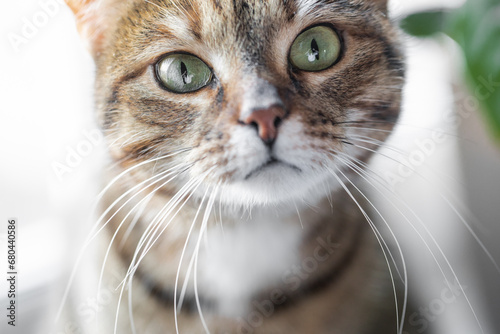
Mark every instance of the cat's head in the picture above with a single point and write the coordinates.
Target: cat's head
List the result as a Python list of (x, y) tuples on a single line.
[(266, 98)]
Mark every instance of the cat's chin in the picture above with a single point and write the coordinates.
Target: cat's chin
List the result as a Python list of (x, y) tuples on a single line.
[(276, 183)]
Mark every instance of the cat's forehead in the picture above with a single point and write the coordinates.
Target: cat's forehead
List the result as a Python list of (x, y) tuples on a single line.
[(231, 12), (215, 22), (243, 24), (239, 19), (231, 29)]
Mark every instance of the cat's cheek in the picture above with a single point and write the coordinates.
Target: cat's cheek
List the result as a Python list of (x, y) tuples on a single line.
[(295, 147)]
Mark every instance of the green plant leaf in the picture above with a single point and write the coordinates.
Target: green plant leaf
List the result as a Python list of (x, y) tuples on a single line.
[(424, 24), (476, 28)]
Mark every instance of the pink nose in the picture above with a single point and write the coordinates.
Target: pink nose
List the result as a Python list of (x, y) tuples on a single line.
[(267, 122)]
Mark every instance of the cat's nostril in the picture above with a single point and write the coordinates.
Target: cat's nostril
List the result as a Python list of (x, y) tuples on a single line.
[(266, 121), (277, 122), (255, 125)]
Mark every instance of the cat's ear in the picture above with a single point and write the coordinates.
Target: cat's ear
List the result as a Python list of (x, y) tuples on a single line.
[(89, 22)]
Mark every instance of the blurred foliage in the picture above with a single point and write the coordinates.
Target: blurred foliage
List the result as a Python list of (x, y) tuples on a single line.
[(476, 28)]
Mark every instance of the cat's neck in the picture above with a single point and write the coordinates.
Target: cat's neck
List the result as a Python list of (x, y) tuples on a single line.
[(243, 258)]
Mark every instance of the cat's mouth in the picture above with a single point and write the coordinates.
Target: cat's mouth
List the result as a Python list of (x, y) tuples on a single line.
[(272, 162)]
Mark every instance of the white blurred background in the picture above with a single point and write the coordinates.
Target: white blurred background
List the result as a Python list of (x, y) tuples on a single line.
[(50, 163)]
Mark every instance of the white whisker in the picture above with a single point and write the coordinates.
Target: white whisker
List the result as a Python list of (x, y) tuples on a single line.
[(383, 247), (108, 250), (146, 238), (203, 230), (428, 247), (90, 237), (178, 306)]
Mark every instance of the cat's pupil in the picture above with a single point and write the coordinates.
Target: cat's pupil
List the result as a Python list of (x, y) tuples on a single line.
[(184, 72), (315, 49)]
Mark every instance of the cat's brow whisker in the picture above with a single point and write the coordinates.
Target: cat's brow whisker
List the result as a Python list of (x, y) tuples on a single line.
[(381, 242)]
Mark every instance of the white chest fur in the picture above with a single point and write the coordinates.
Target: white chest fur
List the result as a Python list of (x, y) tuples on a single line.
[(241, 260)]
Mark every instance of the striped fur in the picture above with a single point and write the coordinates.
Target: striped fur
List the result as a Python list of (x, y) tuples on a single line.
[(246, 44)]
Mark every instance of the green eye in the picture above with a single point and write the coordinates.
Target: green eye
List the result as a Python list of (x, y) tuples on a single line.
[(183, 73), (315, 49)]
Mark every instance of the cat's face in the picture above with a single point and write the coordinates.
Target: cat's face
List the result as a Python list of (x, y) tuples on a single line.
[(267, 96)]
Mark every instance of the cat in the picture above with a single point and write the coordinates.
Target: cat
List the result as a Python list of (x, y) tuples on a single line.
[(234, 129)]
